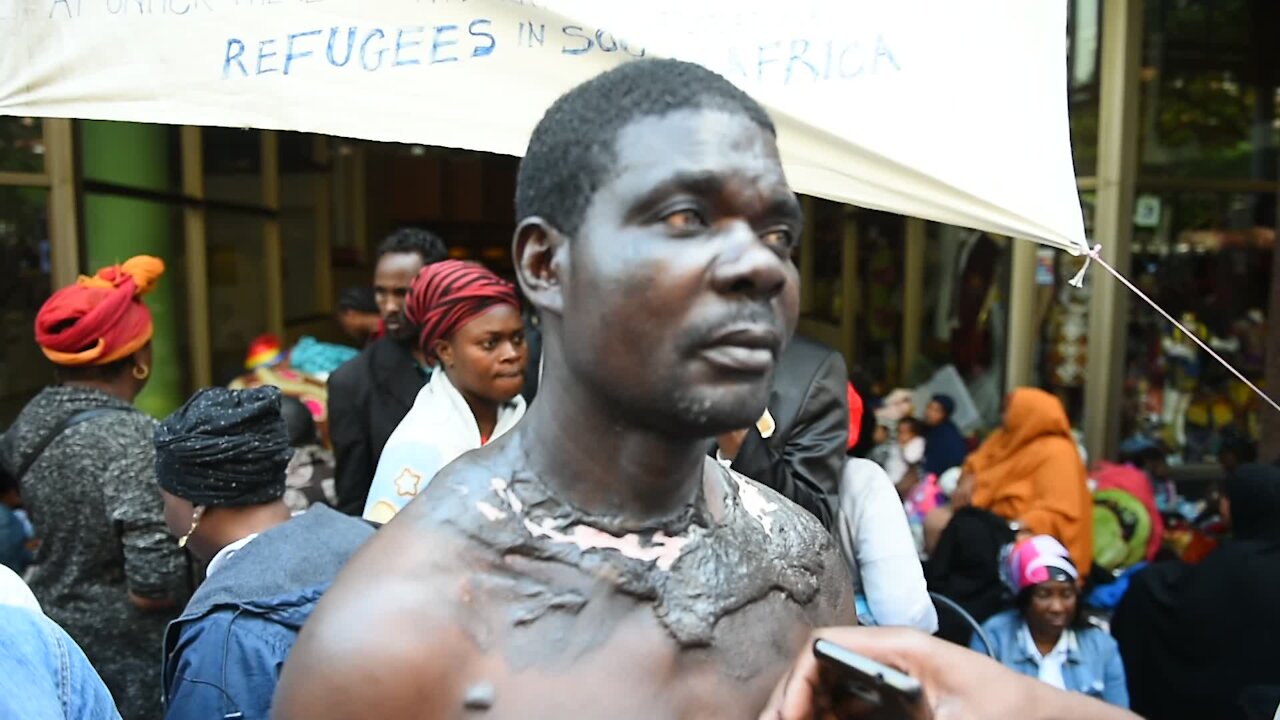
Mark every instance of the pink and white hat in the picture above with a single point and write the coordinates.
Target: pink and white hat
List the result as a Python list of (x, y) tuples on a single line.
[(1036, 560)]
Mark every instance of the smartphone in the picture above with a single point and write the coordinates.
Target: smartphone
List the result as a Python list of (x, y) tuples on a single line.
[(870, 689)]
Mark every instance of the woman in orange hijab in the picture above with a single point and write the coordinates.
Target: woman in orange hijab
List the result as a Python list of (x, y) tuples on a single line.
[(106, 569), (1030, 473)]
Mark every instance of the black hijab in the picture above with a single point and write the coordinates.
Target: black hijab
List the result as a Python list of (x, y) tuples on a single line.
[(225, 448), (1254, 491), (1199, 641)]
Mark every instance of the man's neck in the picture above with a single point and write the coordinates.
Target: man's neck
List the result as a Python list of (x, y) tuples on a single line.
[(603, 465)]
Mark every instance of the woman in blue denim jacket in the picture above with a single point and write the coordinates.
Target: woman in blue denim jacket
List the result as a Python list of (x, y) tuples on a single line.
[(44, 674), (1046, 636)]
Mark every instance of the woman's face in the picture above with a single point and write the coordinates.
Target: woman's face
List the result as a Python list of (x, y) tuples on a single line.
[(1052, 608), (486, 358), (934, 414)]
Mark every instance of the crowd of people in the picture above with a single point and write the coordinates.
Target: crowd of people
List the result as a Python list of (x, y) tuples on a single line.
[(621, 488)]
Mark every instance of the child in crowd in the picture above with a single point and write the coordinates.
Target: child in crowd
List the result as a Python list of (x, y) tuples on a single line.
[(15, 528)]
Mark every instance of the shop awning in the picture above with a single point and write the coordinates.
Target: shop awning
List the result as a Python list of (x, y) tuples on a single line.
[(951, 111)]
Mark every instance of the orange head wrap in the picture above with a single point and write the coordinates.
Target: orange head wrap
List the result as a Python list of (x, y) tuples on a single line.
[(100, 319)]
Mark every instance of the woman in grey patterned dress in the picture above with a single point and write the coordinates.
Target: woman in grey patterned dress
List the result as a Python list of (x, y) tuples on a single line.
[(106, 569)]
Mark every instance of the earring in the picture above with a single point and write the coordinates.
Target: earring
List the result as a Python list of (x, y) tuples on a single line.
[(195, 523), (141, 372)]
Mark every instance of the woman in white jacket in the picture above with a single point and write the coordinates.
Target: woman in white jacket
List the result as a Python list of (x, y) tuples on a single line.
[(872, 529), (472, 333)]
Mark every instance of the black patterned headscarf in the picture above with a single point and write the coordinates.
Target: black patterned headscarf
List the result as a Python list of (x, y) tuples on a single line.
[(225, 448)]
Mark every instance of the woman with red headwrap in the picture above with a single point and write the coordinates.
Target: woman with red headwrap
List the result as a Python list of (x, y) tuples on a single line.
[(472, 332), (106, 570)]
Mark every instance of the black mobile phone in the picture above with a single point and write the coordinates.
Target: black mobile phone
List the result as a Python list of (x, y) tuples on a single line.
[(868, 689)]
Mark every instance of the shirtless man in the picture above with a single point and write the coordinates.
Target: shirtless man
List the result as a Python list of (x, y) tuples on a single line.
[(594, 562)]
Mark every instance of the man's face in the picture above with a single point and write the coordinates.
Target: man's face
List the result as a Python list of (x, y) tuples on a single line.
[(392, 278), (681, 292)]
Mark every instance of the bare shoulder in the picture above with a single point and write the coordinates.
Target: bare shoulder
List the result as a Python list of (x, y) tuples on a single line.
[(389, 633), (796, 533)]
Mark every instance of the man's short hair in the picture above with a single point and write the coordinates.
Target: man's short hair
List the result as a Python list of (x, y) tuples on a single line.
[(572, 150), (425, 243)]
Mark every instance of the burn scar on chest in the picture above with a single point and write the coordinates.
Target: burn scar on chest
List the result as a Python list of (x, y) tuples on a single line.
[(693, 569)]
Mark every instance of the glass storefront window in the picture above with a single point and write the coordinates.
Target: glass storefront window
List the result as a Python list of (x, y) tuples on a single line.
[(298, 232), (233, 165), (1206, 258), (881, 246), (237, 289), (828, 249), (21, 144), (24, 286), (1084, 43), (1209, 102)]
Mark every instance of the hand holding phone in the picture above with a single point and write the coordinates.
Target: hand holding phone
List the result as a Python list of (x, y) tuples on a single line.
[(914, 676), (860, 687)]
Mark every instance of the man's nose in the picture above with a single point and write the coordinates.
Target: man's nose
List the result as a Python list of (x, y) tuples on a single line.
[(748, 266)]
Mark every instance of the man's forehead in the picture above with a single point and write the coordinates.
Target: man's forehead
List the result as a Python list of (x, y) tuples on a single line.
[(695, 141)]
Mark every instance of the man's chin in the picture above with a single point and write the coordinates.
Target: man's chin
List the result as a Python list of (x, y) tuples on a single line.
[(721, 410)]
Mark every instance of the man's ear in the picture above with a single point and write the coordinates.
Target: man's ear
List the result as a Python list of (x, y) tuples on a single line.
[(541, 255)]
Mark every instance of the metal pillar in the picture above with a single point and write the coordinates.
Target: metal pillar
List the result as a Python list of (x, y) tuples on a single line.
[(1020, 351), (199, 338), (912, 298), (64, 205), (1113, 226)]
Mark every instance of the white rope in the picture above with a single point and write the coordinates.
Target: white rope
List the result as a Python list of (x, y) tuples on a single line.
[(1096, 255)]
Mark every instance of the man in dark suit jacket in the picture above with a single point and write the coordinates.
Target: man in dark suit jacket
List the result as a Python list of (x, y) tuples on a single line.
[(804, 454), (371, 394)]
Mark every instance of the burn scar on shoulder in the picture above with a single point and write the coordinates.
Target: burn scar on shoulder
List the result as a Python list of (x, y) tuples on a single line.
[(502, 489), (663, 552), (755, 503), (660, 549)]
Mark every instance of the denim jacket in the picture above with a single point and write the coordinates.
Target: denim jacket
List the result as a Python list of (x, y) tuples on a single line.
[(43, 673), (224, 655), (1093, 665)]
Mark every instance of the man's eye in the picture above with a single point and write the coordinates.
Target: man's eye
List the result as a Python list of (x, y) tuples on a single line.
[(779, 238), (684, 220)]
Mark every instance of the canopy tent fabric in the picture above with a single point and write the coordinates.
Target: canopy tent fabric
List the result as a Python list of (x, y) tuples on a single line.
[(950, 111)]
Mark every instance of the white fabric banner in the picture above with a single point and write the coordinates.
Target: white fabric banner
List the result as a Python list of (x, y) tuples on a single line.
[(951, 111)]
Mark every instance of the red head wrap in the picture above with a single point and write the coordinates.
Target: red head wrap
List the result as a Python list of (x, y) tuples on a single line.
[(100, 319), (449, 294)]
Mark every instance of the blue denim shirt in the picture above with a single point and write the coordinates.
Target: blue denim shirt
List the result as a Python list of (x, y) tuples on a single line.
[(1093, 665), (43, 673)]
